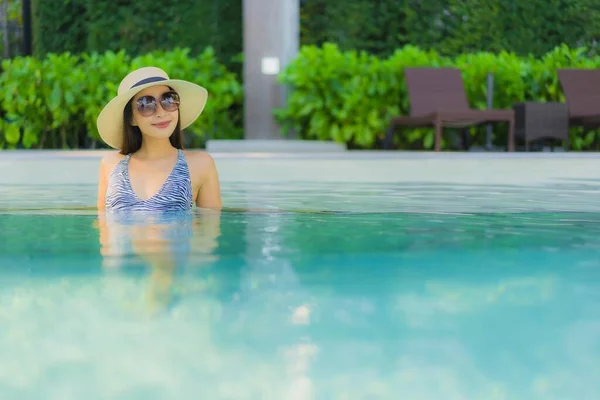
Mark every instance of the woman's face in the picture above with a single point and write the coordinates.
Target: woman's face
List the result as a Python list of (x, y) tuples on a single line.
[(150, 115)]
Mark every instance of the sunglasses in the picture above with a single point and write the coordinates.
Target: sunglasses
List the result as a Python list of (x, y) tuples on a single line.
[(147, 105)]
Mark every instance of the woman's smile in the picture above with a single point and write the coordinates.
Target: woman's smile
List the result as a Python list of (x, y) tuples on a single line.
[(162, 125)]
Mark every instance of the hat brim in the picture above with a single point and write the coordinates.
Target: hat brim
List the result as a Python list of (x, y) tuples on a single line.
[(110, 120)]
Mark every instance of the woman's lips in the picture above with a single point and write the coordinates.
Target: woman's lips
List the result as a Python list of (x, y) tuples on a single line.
[(162, 125)]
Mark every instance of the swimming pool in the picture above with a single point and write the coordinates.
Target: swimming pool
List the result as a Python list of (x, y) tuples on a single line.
[(305, 289)]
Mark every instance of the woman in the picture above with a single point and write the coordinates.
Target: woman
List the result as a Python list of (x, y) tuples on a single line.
[(151, 172)]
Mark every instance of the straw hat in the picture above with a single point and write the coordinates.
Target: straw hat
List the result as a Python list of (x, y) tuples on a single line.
[(110, 120)]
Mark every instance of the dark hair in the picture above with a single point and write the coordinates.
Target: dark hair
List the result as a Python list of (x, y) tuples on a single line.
[(132, 136)]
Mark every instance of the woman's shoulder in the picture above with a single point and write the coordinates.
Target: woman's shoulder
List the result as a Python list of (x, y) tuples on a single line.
[(110, 160), (198, 158), (200, 163)]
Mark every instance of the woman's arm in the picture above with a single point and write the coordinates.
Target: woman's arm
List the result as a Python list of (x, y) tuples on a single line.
[(102, 183), (209, 193), (107, 164)]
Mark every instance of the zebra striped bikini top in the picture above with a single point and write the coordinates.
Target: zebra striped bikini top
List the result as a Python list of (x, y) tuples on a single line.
[(174, 195)]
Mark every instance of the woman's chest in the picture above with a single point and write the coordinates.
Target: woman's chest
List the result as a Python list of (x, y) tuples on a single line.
[(147, 180)]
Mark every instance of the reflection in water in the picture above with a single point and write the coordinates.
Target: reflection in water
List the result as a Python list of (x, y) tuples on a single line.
[(290, 305), (165, 242), (271, 277)]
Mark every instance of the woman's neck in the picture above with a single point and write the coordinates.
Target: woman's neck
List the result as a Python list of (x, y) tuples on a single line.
[(153, 148)]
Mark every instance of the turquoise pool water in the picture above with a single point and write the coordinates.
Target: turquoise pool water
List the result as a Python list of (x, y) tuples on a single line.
[(304, 292)]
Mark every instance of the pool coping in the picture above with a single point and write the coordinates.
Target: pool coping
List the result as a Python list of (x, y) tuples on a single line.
[(348, 154), (63, 167)]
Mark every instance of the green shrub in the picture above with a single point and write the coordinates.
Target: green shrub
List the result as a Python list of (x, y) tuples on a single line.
[(54, 102), (349, 96)]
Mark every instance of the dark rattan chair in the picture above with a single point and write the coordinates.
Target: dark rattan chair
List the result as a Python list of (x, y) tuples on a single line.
[(437, 98), (538, 122), (582, 92)]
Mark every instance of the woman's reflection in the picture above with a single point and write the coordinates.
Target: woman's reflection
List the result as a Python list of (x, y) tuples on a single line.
[(164, 242)]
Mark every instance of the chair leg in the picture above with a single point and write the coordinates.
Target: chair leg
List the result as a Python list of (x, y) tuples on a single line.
[(511, 135), (466, 138), (438, 134), (388, 139)]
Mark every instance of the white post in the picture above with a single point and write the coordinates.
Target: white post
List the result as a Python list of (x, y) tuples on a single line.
[(271, 41)]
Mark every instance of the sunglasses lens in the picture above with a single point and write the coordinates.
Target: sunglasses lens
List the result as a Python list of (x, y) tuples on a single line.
[(146, 106), (170, 101)]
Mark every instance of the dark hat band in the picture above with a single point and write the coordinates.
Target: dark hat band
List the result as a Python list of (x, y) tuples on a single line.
[(149, 80)]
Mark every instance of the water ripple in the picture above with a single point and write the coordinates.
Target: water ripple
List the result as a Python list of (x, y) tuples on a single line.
[(357, 197)]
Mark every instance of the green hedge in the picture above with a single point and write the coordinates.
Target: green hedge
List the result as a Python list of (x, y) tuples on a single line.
[(451, 26), (349, 96), (53, 102), (80, 26), (380, 27)]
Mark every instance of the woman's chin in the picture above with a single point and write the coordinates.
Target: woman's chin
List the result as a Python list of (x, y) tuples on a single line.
[(159, 133)]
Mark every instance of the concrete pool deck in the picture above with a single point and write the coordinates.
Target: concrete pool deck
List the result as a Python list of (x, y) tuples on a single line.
[(50, 167)]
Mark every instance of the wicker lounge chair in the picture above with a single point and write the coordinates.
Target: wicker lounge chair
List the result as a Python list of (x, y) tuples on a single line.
[(582, 92), (437, 98)]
